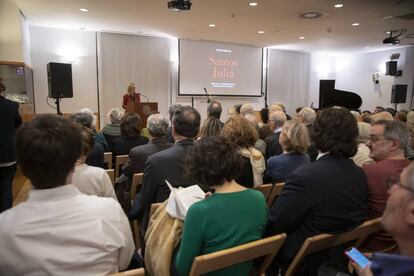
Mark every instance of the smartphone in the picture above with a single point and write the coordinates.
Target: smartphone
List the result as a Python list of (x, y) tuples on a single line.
[(357, 257)]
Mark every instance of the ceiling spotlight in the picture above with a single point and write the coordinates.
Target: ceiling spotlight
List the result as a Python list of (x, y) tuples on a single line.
[(301, 37), (211, 25), (355, 24), (84, 10), (179, 5), (253, 4), (261, 32), (338, 5)]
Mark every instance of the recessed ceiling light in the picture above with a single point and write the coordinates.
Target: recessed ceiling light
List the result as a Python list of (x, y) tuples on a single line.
[(253, 4), (387, 32), (338, 5), (84, 10), (355, 24), (367, 47), (261, 32), (211, 25), (301, 37)]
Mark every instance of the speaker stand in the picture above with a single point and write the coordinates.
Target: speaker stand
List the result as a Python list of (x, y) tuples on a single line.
[(395, 108), (57, 102)]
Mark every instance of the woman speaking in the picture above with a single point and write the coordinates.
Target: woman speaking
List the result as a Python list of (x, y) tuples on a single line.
[(130, 97)]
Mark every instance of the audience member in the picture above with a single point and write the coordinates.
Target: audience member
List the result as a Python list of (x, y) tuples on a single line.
[(294, 139), (307, 116), (366, 118), (233, 215), (276, 121), (383, 115), (410, 119), (362, 156), (281, 108), (242, 133), (88, 179), (245, 109), (168, 164), (113, 129), (130, 135), (10, 120), (214, 110), (237, 108), (378, 109), (325, 196), (392, 111), (96, 155), (211, 127), (171, 111), (260, 145), (399, 222), (401, 116), (58, 230), (99, 138), (355, 114), (387, 143), (265, 130)]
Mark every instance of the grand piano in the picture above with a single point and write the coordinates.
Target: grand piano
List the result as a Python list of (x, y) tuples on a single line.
[(329, 96)]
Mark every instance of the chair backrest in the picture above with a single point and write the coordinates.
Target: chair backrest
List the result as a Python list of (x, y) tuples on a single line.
[(120, 160), (154, 207), (133, 272), (266, 190), (108, 159), (111, 174), (246, 252), (136, 182), (325, 241), (277, 188)]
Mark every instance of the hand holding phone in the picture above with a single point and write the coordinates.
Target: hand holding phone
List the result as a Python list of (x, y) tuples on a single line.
[(357, 257)]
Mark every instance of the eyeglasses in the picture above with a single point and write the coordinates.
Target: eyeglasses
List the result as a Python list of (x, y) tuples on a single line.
[(391, 183)]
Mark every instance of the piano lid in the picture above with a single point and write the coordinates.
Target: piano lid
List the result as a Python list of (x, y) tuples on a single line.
[(329, 96)]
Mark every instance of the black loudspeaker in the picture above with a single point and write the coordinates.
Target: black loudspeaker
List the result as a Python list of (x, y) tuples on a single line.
[(59, 76), (399, 93), (391, 68)]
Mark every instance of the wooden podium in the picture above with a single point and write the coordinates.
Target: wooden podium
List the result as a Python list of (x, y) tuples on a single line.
[(143, 110)]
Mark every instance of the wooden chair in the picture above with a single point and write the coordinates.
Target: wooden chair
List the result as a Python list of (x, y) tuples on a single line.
[(120, 160), (111, 174), (246, 252), (154, 207), (266, 189), (136, 182), (108, 159), (277, 188), (324, 241), (133, 272)]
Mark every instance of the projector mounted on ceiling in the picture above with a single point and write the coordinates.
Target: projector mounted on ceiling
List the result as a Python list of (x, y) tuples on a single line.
[(180, 5), (394, 39)]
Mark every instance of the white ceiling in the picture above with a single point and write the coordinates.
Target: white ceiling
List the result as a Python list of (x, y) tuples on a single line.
[(237, 22)]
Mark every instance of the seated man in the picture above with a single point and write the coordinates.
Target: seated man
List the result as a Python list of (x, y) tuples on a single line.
[(58, 230), (325, 196), (387, 143), (398, 220)]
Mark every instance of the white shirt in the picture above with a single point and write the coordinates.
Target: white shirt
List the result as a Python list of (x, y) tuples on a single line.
[(93, 181), (61, 231)]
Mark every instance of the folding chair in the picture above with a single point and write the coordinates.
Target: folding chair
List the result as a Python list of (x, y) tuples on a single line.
[(277, 188), (266, 189), (108, 159), (111, 174)]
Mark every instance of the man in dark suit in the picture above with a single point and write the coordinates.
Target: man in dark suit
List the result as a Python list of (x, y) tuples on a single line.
[(168, 164), (214, 110), (10, 120), (328, 195), (276, 121)]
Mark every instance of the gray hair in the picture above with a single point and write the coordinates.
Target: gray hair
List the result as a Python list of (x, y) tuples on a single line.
[(308, 114), (90, 113), (157, 125), (115, 115), (278, 117), (395, 130), (363, 132), (173, 108), (84, 119), (246, 108)]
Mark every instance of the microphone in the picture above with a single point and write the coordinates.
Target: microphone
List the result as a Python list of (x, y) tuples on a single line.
[(209, 98), (144, 96)]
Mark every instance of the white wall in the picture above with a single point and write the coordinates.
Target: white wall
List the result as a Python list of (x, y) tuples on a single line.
[(10, 32), (66, 46), (24, 26), (354, 73)]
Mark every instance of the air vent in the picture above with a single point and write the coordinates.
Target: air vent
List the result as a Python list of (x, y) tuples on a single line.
[(311, 15)]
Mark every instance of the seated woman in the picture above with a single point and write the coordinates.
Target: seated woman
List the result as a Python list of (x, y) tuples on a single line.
[(294, 140), (362, 156), (233, 215), (130, 135), (211, 127), (243, 135), (88, 179), (113, 129)]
